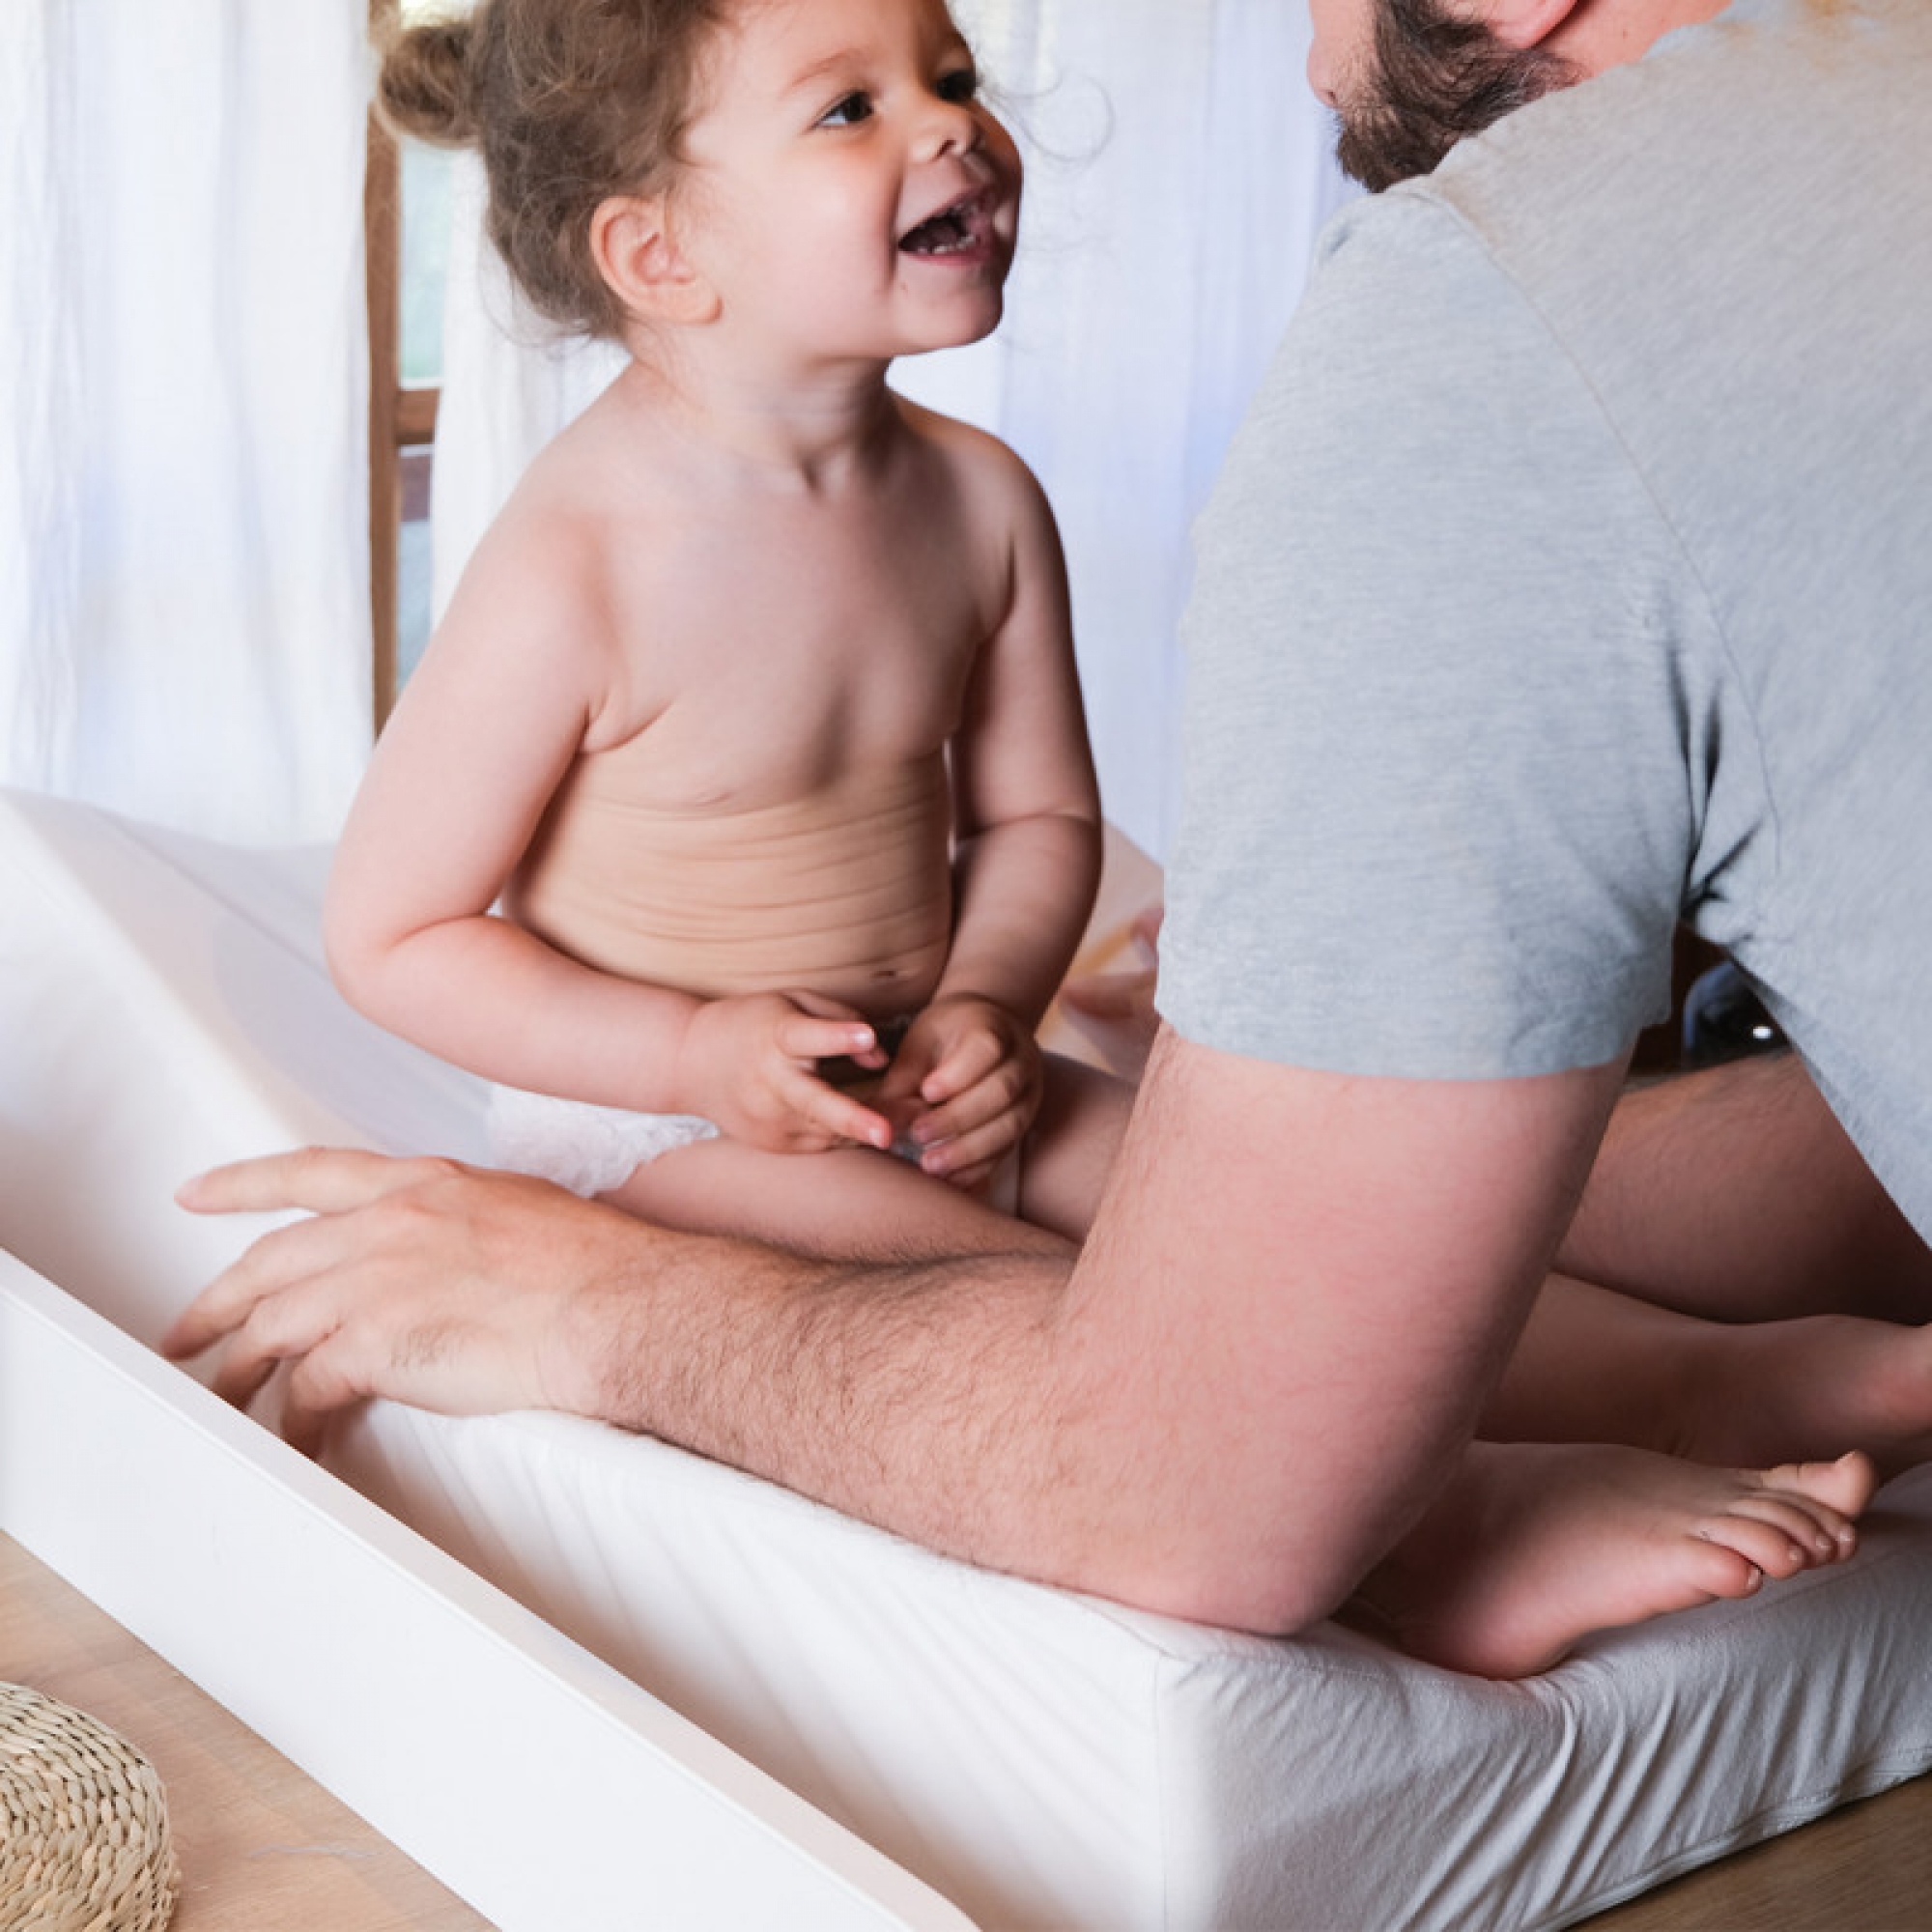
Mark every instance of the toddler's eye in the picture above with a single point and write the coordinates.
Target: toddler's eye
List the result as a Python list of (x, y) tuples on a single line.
[(848, 112), (962, 84)]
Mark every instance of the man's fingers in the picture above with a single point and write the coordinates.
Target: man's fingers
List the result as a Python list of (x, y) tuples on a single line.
[(323, 1180), (284, 1317), (241, 1375), (276, 1262), (319, 1385)]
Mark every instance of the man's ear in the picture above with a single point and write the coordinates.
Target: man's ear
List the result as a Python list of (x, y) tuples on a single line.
[(631, 244), (1527, 23)]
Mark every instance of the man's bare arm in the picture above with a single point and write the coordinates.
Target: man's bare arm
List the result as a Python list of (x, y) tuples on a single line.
[(1298, 1292)]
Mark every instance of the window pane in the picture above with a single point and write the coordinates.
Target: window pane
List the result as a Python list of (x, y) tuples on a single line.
[(413, 565), (425, 260)]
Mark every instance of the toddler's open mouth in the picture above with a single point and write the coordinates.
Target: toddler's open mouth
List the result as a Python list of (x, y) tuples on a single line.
[(961, 225)]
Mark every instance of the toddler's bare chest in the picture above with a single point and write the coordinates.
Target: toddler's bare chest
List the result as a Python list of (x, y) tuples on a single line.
[(798, 661)]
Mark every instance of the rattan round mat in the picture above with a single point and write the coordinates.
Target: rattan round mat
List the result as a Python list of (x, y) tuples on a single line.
[(85, 1822)]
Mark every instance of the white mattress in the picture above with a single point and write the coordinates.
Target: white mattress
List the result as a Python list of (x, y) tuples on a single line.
[(1042, 1759)]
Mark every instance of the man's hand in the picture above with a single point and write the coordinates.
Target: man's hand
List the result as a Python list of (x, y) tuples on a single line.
[(748, 1063), (421, 1280), (974, 1072)]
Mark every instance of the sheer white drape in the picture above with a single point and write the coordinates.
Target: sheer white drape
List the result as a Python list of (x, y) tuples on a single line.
[(184, 494), (1177, 172)]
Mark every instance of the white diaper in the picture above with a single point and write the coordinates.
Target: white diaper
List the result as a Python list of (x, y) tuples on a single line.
[(591, 1150), (586, 1148)]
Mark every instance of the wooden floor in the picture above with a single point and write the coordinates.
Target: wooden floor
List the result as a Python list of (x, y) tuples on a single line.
[(1866, 1868), (262, 1847)]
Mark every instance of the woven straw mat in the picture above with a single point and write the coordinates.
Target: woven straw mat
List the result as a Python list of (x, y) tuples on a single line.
[(86, 1845)]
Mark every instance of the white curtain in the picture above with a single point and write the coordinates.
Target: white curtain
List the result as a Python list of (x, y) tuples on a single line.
[(183, 496), (1178, 173)]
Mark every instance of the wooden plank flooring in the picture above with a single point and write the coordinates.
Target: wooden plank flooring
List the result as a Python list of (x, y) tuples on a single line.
[(1866, 1868)]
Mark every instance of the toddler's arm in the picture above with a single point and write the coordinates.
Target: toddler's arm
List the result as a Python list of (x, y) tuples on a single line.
[(514, 685), (1028, 821)]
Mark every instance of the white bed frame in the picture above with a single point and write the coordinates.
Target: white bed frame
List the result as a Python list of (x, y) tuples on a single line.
[(326, 1625)]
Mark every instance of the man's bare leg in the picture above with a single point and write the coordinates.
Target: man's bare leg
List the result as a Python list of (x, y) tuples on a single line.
[(1533, 1547), (1595, 1365), (1734, 1193)]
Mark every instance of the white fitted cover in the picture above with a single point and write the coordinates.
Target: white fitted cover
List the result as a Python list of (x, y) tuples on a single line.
[(1045, 1759)]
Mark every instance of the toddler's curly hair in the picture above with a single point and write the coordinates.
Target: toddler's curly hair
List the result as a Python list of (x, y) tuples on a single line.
[(571, 102)]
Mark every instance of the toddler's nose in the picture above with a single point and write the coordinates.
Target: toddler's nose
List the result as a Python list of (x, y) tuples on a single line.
[(947, 126)]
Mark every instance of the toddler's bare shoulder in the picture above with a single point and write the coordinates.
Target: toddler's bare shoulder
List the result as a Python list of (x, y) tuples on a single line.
[(991, 476)]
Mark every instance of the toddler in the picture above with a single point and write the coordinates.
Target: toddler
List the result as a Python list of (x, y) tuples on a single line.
[(742, 805)]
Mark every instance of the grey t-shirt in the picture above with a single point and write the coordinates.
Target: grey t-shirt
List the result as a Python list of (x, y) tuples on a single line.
[(1572, 572)]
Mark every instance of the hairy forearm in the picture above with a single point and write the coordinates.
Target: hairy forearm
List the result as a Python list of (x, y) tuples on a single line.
[(942, 1398), (983, 1406), (1734, 1193)]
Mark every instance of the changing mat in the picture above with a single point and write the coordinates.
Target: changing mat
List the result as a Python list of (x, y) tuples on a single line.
[(1045, 1759)]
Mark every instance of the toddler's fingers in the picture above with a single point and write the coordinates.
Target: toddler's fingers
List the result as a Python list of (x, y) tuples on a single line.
[(805, 1037), (839, 1114), (963, 1066), (967, 1158), (857, 1040), (905, 1077), (1005, 1089)]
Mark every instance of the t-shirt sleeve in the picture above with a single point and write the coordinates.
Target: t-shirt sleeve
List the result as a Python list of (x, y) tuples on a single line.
[(1439, 794)]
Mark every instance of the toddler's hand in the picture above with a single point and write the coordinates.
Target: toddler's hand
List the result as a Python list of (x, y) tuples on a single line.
[(748, 1063), (968, 1074)]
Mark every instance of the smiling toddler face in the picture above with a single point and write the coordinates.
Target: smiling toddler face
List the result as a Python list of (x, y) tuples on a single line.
[(845, 189)]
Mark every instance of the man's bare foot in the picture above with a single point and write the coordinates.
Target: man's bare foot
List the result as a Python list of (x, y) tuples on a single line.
[(1534, 1546)]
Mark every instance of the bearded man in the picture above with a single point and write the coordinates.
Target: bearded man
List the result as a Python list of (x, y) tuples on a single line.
[(1570, 578)]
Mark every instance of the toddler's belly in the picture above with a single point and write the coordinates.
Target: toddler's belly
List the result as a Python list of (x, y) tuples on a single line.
[(849, 895)]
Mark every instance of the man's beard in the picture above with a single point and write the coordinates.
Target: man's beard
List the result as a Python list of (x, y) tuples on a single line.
[(1433, 78)]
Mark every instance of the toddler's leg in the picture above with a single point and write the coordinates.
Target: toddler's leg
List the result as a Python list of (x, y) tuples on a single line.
[(1595, 1365), (851, 1204), (1070, 1148)]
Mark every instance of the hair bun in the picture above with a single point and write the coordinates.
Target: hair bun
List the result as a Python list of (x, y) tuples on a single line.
[(423, 87)]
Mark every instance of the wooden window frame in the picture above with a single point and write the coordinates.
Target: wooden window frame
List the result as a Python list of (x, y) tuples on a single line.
[(401, 418)]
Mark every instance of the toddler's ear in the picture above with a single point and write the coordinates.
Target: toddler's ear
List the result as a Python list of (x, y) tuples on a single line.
[(631, 243)]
